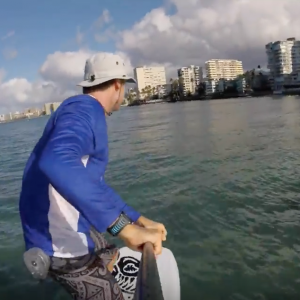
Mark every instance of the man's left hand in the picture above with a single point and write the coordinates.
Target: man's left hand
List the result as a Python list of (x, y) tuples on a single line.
[(147, 223)]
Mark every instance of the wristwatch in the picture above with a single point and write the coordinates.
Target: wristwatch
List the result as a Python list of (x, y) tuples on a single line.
[(120, 223)]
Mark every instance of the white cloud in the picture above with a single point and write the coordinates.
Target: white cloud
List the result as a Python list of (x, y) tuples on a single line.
[(64, 68), (103, 30), (95, 29), (204, 29), (106, 35), (104, 19), (8, 35), (59, 75), (19, 93)]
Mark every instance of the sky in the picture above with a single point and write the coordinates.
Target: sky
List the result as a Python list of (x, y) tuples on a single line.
[(44, 44)]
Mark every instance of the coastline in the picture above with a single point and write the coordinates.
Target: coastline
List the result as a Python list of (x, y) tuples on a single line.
[(20, 119), (204, 98)]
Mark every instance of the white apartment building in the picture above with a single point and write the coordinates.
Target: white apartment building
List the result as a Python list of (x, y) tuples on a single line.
[(149, 76), (223, 69), (51, 107), (241, 85), (219, 86), (211, 86), (47, 109), (189, 78), (283, 57)]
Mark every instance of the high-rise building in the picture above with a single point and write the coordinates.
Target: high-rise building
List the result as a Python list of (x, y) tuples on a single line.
[(51, 107), (284, 65), (149, 77), (223, 69), (283, 57), (190, 78), (47, 108), (55, 105)]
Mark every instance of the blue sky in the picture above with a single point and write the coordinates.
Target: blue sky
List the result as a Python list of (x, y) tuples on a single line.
[(43, 27)]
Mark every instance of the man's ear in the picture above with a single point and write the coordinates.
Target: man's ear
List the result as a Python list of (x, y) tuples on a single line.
[(117, 85)]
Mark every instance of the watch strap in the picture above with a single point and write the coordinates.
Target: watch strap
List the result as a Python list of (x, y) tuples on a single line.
[(117, 227)]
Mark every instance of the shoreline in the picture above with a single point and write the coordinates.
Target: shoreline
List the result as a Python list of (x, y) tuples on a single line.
[(20, 119), (206, 98)]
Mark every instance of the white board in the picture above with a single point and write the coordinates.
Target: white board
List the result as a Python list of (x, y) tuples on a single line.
[(127, 267)]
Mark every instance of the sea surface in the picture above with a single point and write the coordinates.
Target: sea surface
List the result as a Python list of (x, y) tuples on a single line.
[(223, 176)]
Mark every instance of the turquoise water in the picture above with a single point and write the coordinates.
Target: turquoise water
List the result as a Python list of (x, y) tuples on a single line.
[(222, 175)]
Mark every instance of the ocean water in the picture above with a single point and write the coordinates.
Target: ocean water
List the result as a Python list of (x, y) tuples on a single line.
[(223, 176)]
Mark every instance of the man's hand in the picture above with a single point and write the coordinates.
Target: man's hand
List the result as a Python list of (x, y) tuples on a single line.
[(147, 223), (135, 237)]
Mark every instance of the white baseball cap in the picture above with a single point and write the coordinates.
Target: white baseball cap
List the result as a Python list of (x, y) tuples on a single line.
[(102, 67)]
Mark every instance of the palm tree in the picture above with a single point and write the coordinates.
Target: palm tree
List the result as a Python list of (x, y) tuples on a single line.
[(130, 97), (143, 92), (201, 89), (147, 91), (180, 85), (174, 89), (153, 91), (175, 85)]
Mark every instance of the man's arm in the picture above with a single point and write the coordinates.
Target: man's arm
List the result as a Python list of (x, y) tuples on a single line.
[(61, 162)]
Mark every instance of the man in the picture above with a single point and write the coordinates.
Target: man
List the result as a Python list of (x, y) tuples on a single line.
[(64, 193)]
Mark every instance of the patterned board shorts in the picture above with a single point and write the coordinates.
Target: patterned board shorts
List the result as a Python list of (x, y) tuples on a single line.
[(87, 277)]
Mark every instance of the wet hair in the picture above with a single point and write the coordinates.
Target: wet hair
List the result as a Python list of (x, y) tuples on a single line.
[(102, 86)]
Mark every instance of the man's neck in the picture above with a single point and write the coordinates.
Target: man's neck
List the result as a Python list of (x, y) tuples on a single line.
[(102, 103)]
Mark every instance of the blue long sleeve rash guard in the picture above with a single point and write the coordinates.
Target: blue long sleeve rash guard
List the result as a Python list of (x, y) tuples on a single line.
[(63, 190)]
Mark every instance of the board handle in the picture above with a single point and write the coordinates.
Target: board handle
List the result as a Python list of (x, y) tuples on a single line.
[(148, 285)]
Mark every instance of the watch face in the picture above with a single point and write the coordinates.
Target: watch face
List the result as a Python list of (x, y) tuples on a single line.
[(122, 221)]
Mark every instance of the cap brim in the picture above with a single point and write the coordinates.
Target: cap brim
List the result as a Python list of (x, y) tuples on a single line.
[(88, 83)]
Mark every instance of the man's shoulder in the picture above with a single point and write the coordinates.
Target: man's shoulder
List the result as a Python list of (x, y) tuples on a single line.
[(81, 101), (83, 105)]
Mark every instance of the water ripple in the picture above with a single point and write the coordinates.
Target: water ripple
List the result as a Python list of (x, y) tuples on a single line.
[(223, 177)]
